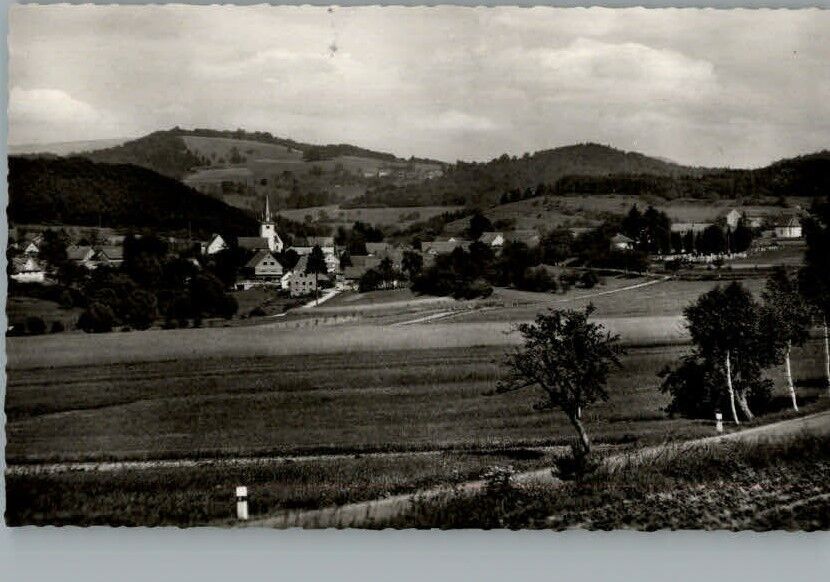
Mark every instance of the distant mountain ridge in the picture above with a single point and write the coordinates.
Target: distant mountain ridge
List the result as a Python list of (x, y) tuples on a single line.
[(481, 184)]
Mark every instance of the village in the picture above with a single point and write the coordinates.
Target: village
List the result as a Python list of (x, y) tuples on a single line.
[(312, 266)]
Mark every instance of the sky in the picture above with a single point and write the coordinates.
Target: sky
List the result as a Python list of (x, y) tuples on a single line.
[(736, 88)]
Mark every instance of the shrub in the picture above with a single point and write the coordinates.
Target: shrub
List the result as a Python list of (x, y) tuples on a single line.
[(537, 279), (257, 312), (57, 327), (65, 300), (97, 318), (35, 325), (589, 280), (498, 481), (576, 466)]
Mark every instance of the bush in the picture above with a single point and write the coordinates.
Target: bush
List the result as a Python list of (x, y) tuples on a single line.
[(57, 327), (473, 289), (257, 312), (97, 318), (537, 279), (577, 465), (35, 325), (65, 300), (589, 280)]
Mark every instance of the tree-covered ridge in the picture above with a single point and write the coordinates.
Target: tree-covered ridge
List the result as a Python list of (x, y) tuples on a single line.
[(81, 192), (162, 151), (482, 184)]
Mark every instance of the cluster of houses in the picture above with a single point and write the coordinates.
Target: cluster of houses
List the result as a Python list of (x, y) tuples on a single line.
[(28, 267), (787, 225)]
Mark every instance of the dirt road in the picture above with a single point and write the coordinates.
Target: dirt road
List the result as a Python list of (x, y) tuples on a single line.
[(364, 513)]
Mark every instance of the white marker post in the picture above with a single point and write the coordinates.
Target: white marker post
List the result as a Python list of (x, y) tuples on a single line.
[(719, 422), (242, 502)]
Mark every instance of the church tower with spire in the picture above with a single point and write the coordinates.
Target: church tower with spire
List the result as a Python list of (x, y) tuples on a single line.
[(268, 230)]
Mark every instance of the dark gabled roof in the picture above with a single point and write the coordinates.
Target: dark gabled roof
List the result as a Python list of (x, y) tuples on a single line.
[(77, 253), (252, 243), (112, 252), (257, 258)]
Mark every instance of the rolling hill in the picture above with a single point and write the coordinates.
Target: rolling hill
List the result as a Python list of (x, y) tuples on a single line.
[(482, 184), (78, 191), (242, 167)]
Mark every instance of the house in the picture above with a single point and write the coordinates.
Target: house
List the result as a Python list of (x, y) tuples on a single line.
[(492, 239), (27, 269), (215, 245), (755, 218), (620, 242), (443, 247), (81, 255), (529, 237), (300, 283), (31, 244), (376, 248), (303, 246), (733, 217), (264, 267), (789, 229), (687, 227), (107, 255)]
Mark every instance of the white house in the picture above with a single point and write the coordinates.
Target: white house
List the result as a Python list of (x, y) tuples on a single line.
[(81, 255), (28, 270), (789, 229), (620, 242), (733, 217), (215, 244), (492, 239)]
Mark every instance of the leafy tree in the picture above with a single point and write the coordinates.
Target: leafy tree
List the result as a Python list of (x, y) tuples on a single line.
[(345, 260), (479, 224), (140, 309), (696, 389), (814, 277), (412, 264), (316, 265), (35, 325), (53, 248), (369, 281), (387, 271), (556, 246), (97, 318), (569, 358), (728, 335), (787, 316)]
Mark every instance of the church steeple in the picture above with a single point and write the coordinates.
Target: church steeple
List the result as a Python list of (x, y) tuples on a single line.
[(267, 217), (268, 230)]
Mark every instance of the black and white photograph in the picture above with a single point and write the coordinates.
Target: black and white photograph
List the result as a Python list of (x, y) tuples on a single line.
[(418, 267)]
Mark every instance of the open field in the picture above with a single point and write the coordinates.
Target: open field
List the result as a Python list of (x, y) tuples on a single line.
[(391, 216), (545, 214), (729, 485), (428, 406)]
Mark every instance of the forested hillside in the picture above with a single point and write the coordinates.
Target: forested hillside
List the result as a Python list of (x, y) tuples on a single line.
[(482, 184), (81, 192)]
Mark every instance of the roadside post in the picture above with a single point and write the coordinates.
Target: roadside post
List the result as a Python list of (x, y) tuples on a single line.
[(242, 502), (718, 422)]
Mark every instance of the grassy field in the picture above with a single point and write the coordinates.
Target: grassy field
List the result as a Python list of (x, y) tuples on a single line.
[(399, 217), (19, 308), (737, 486)]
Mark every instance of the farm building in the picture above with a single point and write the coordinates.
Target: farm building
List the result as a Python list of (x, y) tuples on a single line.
[(264, 267), (789, 229), (492, 239), (300, 283), (620, 242), (108, 255), (687, 227), (27, 269), (443, 247), (80, 255), (215, 244)]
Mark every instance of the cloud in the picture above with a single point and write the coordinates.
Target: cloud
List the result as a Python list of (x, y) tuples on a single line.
[(702, 87)]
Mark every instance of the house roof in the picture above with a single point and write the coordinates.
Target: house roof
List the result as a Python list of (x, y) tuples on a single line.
[(252, 243), (489, 237), (530, 237), (690, 226), (257, 259), (792, 222), (441, 247), (112, 252), (78, 253), (377, 247), (321, 241), (621, 238)]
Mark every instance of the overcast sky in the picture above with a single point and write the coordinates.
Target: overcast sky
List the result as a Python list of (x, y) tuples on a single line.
[(705, 87)]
